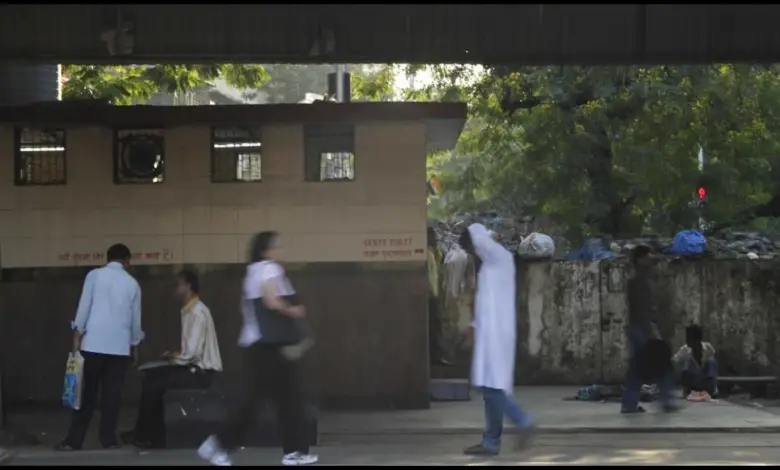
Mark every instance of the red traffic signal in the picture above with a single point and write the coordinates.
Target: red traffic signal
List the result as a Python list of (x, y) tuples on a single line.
[(702, 193)]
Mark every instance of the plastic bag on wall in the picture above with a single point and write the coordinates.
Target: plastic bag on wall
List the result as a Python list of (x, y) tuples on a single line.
[(689, 242), (537, 246)]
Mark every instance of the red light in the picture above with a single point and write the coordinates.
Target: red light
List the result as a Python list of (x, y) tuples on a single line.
[(702, 193)]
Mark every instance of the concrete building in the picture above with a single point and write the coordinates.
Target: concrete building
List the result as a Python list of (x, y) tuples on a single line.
[(344, 184)]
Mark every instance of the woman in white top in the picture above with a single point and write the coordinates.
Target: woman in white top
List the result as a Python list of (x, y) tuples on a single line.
[(272, 323)]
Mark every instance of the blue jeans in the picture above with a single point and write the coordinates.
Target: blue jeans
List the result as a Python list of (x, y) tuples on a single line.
[(632, 385), (700, 378), (497, 405), (710, 369)]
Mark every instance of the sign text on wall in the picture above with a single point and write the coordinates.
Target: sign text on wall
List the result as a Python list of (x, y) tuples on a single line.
[(389, 248), (100, 257)]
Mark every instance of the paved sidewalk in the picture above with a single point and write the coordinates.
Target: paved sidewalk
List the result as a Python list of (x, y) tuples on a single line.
[(546, 404), (554, 415), (418, 450)]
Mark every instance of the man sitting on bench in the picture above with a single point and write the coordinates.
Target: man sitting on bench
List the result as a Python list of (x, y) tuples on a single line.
[(700, 370), (194, 366)]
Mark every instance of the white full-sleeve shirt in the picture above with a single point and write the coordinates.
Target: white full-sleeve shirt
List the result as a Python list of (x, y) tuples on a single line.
[(109, 312), (199, 344)]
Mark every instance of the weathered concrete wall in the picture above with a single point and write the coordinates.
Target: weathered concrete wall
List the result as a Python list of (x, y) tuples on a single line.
[(572, 316)]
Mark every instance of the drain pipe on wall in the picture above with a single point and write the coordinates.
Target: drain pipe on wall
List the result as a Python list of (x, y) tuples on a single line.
[(341, 71)]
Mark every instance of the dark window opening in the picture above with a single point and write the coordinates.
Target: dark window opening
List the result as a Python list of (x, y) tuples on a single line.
[(139, 156), (40, 157), (329, 152), (236, 155)]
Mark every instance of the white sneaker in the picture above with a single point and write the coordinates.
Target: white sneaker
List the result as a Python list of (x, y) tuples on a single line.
[(298, 458), (211, 451)]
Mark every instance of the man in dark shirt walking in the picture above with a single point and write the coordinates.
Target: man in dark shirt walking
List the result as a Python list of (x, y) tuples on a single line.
[(642, 327)]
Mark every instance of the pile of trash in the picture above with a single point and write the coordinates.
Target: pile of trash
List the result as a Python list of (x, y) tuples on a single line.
[(518, 235), (727, 244), (731, 244), (509, 231)]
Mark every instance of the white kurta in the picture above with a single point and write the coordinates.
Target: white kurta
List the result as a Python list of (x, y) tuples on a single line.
[(495, 329)]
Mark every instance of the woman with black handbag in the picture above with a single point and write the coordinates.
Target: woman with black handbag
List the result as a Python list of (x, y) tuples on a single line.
[(274, 337)]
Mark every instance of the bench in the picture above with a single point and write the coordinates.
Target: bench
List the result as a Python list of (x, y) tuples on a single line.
[(192, 415), (757, 386)]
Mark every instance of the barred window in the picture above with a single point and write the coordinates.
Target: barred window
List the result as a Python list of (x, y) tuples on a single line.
[(329, 152), (40, 157), (236, 155)]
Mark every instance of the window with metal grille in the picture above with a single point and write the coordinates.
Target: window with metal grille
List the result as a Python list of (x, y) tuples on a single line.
[(40, 157), (236, 155), (329, 152)]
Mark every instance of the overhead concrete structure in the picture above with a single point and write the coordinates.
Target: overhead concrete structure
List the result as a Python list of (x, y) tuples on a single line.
[(29, 83), (508, 34)]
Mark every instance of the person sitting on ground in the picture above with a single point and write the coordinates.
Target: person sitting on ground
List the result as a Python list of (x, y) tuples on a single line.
[(700, 369), (193, 366)]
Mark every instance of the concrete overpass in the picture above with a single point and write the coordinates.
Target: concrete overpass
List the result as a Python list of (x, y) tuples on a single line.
[(529, 34)]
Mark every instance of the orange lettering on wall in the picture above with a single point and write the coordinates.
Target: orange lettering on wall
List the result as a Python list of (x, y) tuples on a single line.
[(398, 247), (389, 254), (99, 257), (374, 242), (401, 241)]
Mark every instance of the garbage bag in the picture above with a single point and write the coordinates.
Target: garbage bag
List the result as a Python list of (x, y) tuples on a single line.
[(689, 242), (74, 374), (537, 246), (593, 249)]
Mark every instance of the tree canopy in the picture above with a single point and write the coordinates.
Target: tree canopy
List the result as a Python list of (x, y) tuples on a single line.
[(611, 150), (124, 85)]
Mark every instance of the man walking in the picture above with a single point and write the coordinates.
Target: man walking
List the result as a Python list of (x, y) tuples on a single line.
[(106, 331), (494, 330), (642, 327)]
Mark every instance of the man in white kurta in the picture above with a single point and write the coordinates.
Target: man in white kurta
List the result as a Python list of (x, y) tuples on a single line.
[(495, 331)]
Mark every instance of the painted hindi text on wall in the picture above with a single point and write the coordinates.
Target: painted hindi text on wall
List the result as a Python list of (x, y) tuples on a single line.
[(99, 257), (390, 248)]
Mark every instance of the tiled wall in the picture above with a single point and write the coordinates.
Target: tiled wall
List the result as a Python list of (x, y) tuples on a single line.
[(188, 219)]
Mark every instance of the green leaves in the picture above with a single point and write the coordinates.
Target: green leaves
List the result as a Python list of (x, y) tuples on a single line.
[(614, 149), (126, 85), (373, 83)]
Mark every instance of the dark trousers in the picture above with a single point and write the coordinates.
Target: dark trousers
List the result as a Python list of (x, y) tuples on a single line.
[(104, 373), (632, 384), (268, 376), (150, 421)]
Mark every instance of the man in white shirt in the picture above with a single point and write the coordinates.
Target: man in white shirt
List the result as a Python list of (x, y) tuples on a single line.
[(106, 332), (193, 366)]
